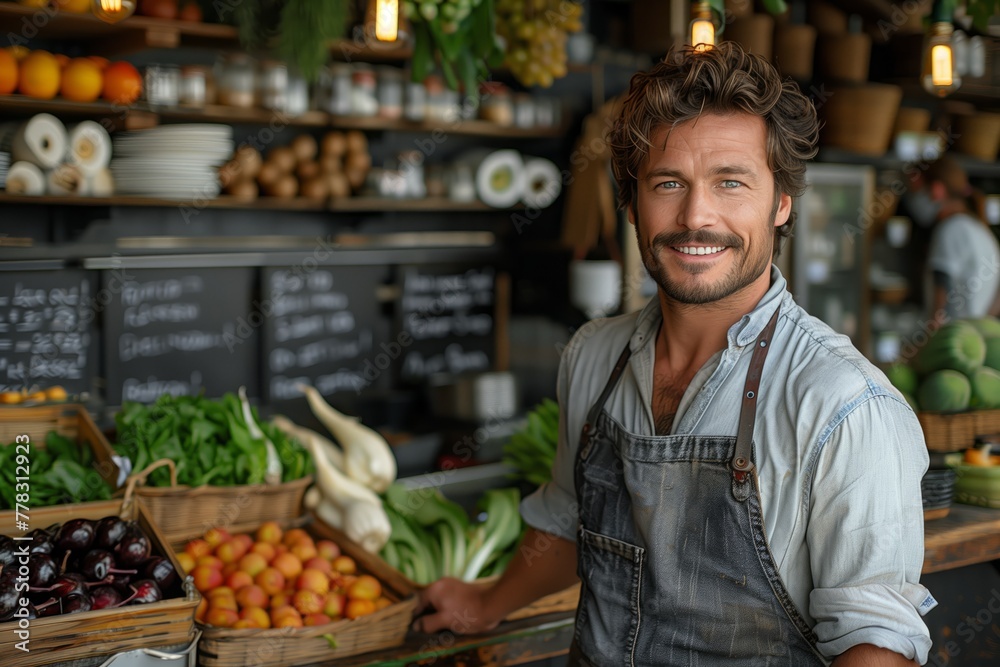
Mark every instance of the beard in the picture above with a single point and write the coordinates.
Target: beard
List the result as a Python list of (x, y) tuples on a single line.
[(746, 269)]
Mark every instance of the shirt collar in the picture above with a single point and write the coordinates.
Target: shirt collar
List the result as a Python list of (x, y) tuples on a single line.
[(742, 333)]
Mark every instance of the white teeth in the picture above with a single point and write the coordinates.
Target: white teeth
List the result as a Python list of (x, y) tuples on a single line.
[(701, 250)]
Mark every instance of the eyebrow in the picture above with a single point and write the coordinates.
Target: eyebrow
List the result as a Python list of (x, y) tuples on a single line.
[(720, 170)]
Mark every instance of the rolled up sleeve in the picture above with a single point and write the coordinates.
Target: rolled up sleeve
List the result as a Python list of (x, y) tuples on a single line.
[(866, 532), (553, 507)]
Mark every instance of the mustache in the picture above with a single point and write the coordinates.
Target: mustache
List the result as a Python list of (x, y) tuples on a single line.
[(698, 236)]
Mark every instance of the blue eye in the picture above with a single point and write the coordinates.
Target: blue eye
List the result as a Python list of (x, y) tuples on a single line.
[(731, 184), (668, 185)]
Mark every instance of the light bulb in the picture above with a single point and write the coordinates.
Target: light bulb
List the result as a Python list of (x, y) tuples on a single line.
[(386, 20), (703, 27), (113, 11), (938, 74)]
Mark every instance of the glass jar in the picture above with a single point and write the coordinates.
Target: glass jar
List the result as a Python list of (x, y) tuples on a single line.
[(297, 97), (162, 85), (334, 90), (524, 111), (547, 112), (194, 86), (416, 101), (272, 85), (435, 102), (364, 99), (495, 104), (390, 92), (237, 81)]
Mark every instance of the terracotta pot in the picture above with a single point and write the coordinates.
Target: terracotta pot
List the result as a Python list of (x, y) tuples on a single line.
[(753, 33), (793, 50), (844, 57)]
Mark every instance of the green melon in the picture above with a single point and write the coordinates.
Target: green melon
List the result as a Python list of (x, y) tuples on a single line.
[(902, 378), (987, 326), (945, 391), (956, 346), (992, 353), (911, 401), (985, 389)]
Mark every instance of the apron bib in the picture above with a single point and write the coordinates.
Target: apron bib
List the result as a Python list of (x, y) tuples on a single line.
[(672, 554)]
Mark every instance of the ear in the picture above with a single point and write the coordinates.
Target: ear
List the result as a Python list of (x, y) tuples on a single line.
[(784, 209), (938, 191)]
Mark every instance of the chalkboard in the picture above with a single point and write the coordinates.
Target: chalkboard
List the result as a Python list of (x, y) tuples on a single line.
[(46, 329), (180, 331), (445, 320), (323, 329)]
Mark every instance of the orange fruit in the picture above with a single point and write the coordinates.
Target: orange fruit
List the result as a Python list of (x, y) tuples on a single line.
[(62, 59), (82, 80), (101, 61), (19, 52), (40, 75), (8, 72), (122, 83), (74, 6)]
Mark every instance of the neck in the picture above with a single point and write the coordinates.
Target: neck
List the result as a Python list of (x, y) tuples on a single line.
[(952, 207), (691, 333)]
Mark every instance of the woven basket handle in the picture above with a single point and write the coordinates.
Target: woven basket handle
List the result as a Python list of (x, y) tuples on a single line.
[(139, 478)]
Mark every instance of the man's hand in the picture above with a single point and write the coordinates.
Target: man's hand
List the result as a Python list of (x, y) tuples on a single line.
[(455, 605), (866, 655)]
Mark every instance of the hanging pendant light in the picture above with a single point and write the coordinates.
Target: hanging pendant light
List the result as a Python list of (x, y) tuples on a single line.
[(113, 11), (939, 75), (386, 20), (706, 24)]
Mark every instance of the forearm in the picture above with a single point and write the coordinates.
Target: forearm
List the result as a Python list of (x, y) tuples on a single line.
[(543, 564), (866, 655)]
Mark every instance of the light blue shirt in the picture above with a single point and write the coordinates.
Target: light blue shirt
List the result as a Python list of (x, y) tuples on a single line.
[(839, 454)]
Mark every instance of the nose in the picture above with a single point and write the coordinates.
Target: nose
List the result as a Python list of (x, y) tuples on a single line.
[(698, 210)]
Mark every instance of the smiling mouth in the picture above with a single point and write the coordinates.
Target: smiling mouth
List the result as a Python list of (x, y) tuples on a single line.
[(699, 250)]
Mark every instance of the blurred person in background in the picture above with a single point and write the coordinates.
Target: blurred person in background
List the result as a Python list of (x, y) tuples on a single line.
[(963, 262)]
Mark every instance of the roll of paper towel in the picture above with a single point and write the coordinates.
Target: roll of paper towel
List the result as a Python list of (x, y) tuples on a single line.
[(66, 180), (89, 147), (101, 184), (25, 178), (542, 183), (500, 178), (41, 141)]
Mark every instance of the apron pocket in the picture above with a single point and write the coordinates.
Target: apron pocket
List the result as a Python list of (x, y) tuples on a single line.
[(608, 619)]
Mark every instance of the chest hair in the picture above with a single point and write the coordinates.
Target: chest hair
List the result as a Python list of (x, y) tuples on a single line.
[(667, 393)]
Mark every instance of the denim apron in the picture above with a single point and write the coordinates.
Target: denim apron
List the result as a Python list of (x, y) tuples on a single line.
[(672, 555)]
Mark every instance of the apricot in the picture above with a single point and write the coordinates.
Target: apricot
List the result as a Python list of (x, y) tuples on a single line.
[(220, 591), (313, 580), (239, 579), (216, 536), (230, 552), (265, 549), (253, 564), (211, 561), (186, 561), (271, 580), (289, 622), (327, 549), (333, 604), (229, 568), (199, 613), (252, 596), (294, 535), (359, 608), (344, 565), (246, 541), (307, 602), (282, 599), (288, 565), (198, 548), (382, 603), (269, 532), (223, 602), (303, 550), (318, 563), (257, 615), (316, 619), (365, 587), (223, 618), (206, 578)]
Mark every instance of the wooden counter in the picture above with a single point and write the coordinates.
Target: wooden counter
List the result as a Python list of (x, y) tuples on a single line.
[(968, 535)]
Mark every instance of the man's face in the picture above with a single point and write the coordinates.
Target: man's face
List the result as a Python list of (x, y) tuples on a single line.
[(706, 209)]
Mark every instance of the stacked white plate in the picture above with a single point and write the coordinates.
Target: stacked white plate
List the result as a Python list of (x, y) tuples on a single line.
[(4, 166), (172, 161)]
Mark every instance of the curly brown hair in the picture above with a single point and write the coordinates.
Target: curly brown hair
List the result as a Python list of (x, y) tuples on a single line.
[(724, 79)]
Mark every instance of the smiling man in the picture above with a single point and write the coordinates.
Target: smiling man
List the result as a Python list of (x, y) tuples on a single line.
[(736, 483)]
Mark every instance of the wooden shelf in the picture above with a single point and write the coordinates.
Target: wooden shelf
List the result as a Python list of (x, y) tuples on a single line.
[(132, 34), (367, 50), (349, 205), (973, 166), (218, 113), (968, 535), (479, 128)]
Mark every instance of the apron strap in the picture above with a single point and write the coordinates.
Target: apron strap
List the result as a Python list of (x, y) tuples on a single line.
[(742, 462), (586, 437)]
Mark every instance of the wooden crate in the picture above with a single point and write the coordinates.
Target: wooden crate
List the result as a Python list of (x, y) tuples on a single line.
[(386, 628), (69, 420), (184, 512), (104, 632), (951, 432)]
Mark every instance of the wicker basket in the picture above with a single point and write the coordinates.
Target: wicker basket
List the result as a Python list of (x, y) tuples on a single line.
[(98, 634), (978, 135), (185, 512), (386, 628), (950, 432), (860, 118), (68, 420), (793, 50), (844, 57), (754, 33)]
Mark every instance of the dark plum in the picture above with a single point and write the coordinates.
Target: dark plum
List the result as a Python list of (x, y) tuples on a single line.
[(42, 570), (108, 532), (6, 551), (146, 591), (134, 547), (160, 570), (75, 535), (105, 597), (98, 564), (76, 602)]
